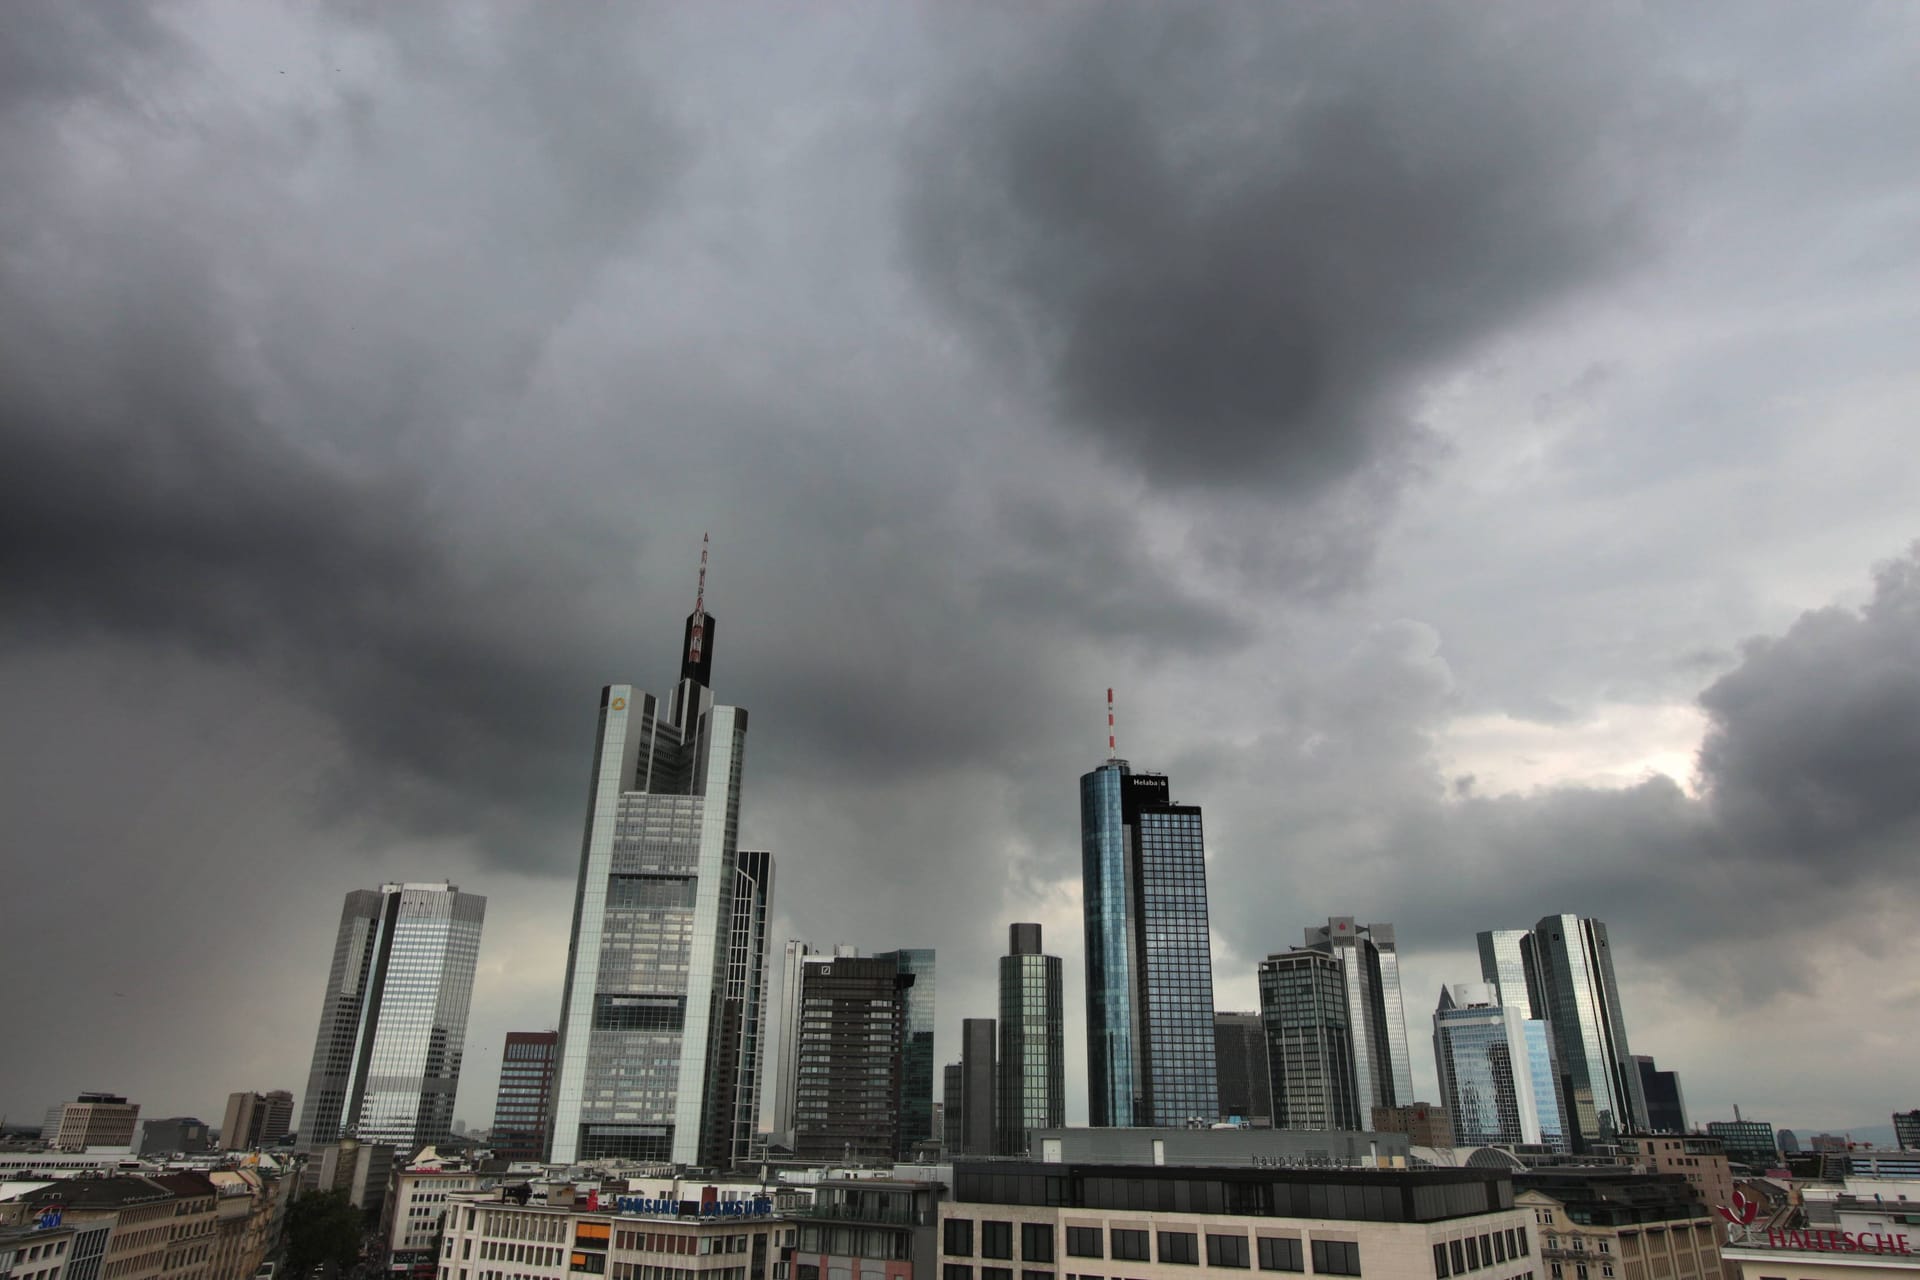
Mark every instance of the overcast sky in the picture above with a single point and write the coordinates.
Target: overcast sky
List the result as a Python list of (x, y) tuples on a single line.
[(1477, 444)]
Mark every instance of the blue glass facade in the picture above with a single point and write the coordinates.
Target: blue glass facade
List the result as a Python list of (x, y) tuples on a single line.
[(1106, 899), (1601, 1085), (1149, 955), (1546, 1085)]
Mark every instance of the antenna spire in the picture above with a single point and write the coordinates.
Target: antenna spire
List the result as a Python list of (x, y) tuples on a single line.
[(697, 624), (1112, 751)]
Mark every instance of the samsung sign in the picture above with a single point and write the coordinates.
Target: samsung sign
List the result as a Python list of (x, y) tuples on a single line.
[(756, 1207)]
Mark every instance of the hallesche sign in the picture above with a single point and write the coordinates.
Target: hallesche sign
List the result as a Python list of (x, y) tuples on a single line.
[(1821, 1241)]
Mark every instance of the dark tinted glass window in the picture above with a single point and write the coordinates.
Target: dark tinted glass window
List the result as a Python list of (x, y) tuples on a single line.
[(959, 1238), (1085, 1242), (1129, 1246), (1281, 1255), (1180, 1246), (1440, 1271), (1036, 1241), (956, 1271), (1336, 1257), (1227, 1251), (996, 1239), (1459, 1256)]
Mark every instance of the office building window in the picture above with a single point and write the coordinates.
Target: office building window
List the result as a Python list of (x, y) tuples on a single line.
[(996, 1239), (959, 1238), (1129, 1246), (1180, 1246), (1227, 1251), (1440, 1271), (1084, 1242), (956, 1271), (1336, 1258), (1280, 1255), (1036, 1241)]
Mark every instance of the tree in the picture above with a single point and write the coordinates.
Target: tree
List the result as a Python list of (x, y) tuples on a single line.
[(323, 1227)]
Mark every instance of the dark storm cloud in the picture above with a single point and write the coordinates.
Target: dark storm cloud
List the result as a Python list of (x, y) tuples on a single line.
[(1805, 795), (244, 431), (51, 51), (1231, 241)]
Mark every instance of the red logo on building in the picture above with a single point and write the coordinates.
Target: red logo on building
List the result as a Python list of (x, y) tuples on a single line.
[(1743, 1211)]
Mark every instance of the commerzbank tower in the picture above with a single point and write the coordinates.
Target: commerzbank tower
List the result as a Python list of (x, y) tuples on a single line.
[(662, 1021)]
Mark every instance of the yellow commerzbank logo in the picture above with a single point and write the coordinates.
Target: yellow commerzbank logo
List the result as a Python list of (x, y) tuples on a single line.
[(619, 704)]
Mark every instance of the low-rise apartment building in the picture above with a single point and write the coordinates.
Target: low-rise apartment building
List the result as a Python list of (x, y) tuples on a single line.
[(621, 1235), (1618, 1224)]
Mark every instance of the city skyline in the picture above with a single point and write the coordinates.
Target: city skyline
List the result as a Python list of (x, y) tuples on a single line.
[(1471, 550)]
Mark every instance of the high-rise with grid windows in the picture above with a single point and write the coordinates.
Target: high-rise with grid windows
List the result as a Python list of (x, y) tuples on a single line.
[(661, 1024), (1033, 1065), (1303, 1004), (393, 1025), (1150, 1057)]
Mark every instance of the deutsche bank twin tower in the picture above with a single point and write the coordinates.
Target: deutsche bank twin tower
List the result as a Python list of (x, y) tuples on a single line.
[(662, 1021)]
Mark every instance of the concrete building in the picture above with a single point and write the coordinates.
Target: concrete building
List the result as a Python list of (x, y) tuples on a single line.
[(93, 1120), (1231, 1148), (867, 1229), (249, 1214), (1425, 1124), (1240, 1058), (256, 1120), (1701, 1160), (1864, 1228), (35, 1252), (1032, 1070), (662, 1017), (1605, 1224), (523, 1101), (416, 1209), (1149, 957), (140, 1227), (1303, 1006), (1158, 1223), (979, 1086), (362, 1170), (174, 1136), (643, 1232), (393, 1017), (852, 1036)]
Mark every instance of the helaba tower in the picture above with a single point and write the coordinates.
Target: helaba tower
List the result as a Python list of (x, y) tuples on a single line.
[(1149, 957), (661, 1024)]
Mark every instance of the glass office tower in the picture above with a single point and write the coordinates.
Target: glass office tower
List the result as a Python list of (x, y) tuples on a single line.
[(1600, 1084), (1033, 1065), (664, 997), (1496, 1075), (524, 1101), (1149, 956), (1303, 1004), (393, 1024), (1370, 967), (916, 1068), (1506, 964)]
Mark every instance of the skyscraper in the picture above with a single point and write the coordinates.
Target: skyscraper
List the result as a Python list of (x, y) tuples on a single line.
[(852, 1037), (256, 1120), (786, 1067), (1506, 964), (979, 1086), (1303, 1005), (1489, 1079), (1666, 1105), (1148, 954), (660, 1024), (1033, 1065), (393, 1023), (1370, 967), (916, 1067), (1240, 1055), (1600, 1085), (523, 1103)]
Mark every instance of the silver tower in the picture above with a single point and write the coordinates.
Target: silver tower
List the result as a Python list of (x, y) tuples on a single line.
[(662, 1017)]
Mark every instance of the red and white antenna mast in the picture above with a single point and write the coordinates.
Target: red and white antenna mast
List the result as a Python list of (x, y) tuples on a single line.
[(1112, 752), (696, 643)]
